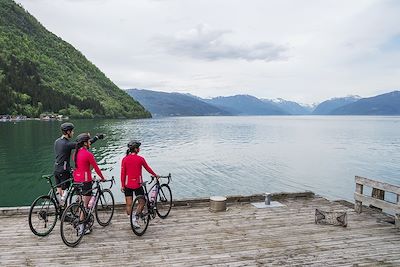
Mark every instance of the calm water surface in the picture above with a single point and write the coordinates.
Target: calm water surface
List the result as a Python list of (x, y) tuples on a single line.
[(217, 155)]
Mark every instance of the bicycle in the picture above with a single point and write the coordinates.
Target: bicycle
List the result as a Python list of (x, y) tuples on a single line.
[(46, 209), (161, 205), (103, 209)]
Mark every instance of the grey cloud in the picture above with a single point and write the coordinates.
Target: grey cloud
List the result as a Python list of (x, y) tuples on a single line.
[(202, 43)]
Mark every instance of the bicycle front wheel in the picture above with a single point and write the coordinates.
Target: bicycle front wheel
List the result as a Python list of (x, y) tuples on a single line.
[(71, 234), (42, 216), (140, 216), (73, 197), (164, 201), (105, 207)]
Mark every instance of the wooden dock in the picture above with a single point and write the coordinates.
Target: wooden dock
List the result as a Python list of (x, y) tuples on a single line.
[(193, 236)]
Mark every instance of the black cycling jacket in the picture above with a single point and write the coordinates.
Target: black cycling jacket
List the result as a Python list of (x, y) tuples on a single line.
[(62, 149)]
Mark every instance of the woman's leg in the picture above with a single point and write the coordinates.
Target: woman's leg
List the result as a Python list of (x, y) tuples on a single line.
[(140, 206), (86, 200), (128, 201), (140, 192)]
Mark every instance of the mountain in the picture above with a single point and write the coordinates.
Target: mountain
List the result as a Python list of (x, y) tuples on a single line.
[(326, 107), (174, 104), (292, 108), (245, 105), (385, 104), (39, 72)]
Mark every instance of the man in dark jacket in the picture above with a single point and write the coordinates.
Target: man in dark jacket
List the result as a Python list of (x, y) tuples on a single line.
[(63, 147)]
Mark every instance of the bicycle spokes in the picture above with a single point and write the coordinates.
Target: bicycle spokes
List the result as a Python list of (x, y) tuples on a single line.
[(105, 207), (140, 216), (73, 219), (42, 216), (164, 201)]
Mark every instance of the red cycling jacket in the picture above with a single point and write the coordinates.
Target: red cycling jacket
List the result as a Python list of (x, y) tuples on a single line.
[(131, 171), (84, 161)]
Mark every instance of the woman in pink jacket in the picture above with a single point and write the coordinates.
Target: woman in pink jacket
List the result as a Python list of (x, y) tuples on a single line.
[(84, 162), (131, 177)]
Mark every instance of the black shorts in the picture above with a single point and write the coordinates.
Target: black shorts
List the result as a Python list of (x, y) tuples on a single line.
[(61, 179), (129, 192), (87, 188)]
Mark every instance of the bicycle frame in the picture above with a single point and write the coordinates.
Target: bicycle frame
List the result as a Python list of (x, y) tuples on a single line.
[(97, 188), (52, 192), (144, 209), (45, 207), (149, 204), (77, 218)]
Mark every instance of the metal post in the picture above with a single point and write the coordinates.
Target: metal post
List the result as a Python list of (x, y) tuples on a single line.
[(267, 199)]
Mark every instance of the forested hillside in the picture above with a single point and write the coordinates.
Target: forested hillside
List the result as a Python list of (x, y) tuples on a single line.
[(39, 72)]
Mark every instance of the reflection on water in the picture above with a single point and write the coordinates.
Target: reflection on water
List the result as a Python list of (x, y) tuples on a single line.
[(217, 155)]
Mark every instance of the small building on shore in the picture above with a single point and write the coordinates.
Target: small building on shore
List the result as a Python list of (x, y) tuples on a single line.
[(7, 117), (52, 116)]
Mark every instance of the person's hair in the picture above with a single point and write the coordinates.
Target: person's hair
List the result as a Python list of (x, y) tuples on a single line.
[(133, 145), (77, 148), (80, 140), (131, 149)]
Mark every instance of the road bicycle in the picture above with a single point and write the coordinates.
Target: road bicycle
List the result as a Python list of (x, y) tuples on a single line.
[(46, 209), (160, 205), (76, 214)]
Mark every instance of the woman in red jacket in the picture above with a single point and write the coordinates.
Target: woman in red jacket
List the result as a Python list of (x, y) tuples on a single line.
[(84, 162), (131, 176)]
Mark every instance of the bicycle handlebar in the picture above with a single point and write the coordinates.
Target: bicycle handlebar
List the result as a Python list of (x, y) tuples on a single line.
[(165, 176), (112, 180)]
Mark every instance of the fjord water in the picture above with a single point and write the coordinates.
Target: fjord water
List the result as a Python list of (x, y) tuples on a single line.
[(217, 155)]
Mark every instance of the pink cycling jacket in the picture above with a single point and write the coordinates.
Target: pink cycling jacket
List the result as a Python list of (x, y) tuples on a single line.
[(131, 171), (85, 162)]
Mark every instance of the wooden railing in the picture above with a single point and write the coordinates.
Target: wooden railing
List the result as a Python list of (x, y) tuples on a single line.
[(377, 198)]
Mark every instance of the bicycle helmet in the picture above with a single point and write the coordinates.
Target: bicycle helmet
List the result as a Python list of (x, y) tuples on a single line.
[(83, 137), (134, 144), (67, 126)]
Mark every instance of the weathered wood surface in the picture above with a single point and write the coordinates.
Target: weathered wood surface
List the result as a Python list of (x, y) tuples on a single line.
[(193, 236), (366, 200), (377, 185), (377, 199)]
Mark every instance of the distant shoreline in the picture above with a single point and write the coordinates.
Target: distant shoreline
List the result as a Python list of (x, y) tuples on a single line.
[(185, 116)]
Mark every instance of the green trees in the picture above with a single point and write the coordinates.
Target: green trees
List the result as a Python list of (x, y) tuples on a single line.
[(39, 72)]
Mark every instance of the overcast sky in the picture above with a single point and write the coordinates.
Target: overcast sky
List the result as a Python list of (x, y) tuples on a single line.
[(305, 51)]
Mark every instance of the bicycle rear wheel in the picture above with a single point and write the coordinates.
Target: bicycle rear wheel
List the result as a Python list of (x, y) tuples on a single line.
[(164, 201), (43, 216), (105, 207), (139, 219), (70, 223)]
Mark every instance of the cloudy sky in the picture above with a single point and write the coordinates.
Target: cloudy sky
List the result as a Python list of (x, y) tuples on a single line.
[(305, 51)]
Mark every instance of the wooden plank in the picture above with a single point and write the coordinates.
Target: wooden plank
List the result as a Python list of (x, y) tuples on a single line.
[(358, 204), (378, 185), (194, 236), (366, 200)]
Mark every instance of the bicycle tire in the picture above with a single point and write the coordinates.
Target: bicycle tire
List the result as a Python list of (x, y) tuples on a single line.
[(142, 219), (105, 206), (164, 201), (47, 209), (69, 227)]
